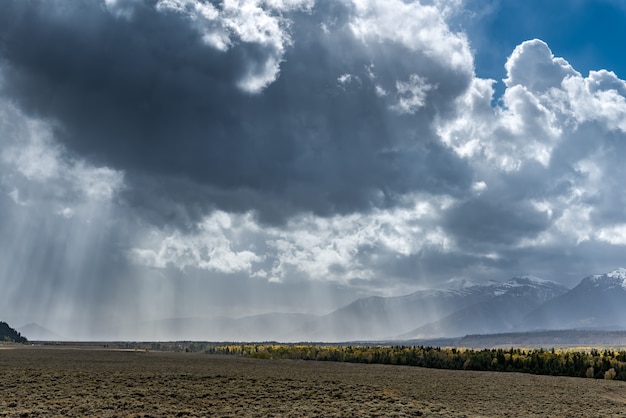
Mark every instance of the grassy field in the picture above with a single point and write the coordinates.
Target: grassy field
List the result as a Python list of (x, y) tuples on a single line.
[(48, 382)]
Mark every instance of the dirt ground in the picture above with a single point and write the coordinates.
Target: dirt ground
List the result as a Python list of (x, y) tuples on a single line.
[(55, 382)]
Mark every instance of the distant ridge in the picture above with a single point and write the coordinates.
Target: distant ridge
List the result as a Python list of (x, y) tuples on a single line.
[(38, 333), (8, 334), (554, 338), (462, 308)]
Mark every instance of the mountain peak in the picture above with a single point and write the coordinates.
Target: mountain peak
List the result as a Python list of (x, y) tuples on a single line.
[(615, 278)]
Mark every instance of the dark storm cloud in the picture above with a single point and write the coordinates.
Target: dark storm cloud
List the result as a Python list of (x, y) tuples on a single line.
[(146, 95), (504, 213), (496, 222)]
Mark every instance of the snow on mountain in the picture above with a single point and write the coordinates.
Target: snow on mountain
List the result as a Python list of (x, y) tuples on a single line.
[(616, 278), (619, 273), (502, 312)]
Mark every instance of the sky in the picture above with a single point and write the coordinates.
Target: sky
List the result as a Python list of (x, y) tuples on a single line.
[(186, 158)]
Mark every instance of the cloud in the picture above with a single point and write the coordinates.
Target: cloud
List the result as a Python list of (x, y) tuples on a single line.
[(253, 22), (32, 158), (548, 155), (411, 94), (238, 102), (210, 248), (342, 248), (600, 97), (533, 66), (615, 234), (418, 26)]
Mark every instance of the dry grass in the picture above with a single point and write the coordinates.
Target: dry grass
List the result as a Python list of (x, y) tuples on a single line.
[(49, 382)]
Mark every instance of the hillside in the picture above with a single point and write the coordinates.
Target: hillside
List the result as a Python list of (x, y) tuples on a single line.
[(8, 334)]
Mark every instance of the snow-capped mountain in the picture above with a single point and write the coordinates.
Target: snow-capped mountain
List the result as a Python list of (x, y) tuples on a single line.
[(599, 301), (387, 317), (503, 312), (614, 279)]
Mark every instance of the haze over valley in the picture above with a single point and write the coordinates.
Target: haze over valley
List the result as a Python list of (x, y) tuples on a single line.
[(521, 304)]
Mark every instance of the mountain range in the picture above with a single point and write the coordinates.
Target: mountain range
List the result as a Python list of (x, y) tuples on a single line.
[(459, 310), (524, 303), (521, 304)]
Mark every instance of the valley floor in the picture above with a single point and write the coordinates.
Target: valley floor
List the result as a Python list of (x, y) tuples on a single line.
[(48, 382)]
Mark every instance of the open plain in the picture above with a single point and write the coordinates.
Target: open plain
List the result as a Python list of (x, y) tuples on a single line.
[(72, 382)]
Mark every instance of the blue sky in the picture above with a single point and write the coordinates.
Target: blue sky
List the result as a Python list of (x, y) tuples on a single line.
[(190, 158)]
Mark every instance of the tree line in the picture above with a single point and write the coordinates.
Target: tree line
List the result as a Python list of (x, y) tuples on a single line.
[(598, 364)]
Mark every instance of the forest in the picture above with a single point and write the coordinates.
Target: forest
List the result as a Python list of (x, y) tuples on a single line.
[(593, 363)]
